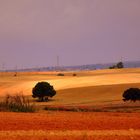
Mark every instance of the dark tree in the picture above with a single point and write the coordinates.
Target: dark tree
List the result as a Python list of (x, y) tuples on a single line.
[(112, 67), (120, 65), (131, 94), (43, 90)]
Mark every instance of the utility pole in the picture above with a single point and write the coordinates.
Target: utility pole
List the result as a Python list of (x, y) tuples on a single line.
[(3, 67), (121, 59), (57, 62)]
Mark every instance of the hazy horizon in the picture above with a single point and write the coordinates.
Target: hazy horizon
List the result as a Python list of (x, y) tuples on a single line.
[(34, 32)]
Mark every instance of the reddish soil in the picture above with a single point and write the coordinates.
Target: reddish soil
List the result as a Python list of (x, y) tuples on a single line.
[(70, 125)]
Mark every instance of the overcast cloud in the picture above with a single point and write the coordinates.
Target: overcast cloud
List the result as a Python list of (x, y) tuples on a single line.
[(34, 32)]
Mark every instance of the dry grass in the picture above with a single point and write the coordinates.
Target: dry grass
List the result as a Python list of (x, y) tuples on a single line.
[(17, 103), (25, 81)]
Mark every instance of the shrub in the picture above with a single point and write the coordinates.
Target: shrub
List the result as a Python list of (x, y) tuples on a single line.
[(131, 94), (43, 90), (119, 65), (60, 74), (74, 74), (112, 67), (16, 103)]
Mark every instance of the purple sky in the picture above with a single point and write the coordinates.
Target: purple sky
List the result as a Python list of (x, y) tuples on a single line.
[(34, 32)]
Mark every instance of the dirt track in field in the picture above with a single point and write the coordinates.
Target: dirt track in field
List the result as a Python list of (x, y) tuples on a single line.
[(67, 125)]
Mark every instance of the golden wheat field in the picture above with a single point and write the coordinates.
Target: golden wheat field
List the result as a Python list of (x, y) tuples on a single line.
[(99, 90)]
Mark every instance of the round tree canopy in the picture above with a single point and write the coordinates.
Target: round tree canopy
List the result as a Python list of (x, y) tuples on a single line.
[(43, 90)]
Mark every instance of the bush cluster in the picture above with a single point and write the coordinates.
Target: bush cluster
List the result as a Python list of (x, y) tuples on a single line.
[(132, 94), (60, 74)]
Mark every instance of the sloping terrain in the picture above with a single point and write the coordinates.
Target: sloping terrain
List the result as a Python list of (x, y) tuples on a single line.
[(100, 88), (97, 87)]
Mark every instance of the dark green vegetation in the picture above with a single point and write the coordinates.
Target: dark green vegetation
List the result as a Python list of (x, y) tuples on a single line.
[(119, 65), (74, 74), (60, 74), (132, 94), (43, 90), (16, 103), (113, 108)]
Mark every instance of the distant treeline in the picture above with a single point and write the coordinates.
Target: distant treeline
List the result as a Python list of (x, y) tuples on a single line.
[(126, 64)]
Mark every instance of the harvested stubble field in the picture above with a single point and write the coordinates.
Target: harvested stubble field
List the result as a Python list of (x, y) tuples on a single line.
[(100, 89), (70, 125)]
